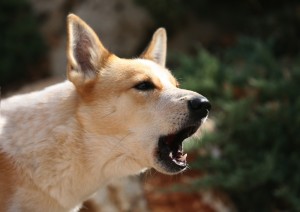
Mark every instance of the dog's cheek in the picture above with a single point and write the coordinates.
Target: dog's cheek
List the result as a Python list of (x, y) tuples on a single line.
[(135, 109)]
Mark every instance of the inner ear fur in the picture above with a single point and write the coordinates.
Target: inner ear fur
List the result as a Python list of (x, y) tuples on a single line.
[(86, 54), (157, 48)]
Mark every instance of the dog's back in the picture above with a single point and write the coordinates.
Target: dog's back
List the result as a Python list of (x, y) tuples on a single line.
[(28, 123), (25, 119)]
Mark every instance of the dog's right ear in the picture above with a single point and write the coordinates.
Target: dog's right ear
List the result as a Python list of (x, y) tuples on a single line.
[(86, 54)]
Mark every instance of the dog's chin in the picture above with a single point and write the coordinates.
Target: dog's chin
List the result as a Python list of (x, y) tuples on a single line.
[(169, 155)]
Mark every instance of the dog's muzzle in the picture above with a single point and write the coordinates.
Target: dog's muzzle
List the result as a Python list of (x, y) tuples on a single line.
[(169, 154)]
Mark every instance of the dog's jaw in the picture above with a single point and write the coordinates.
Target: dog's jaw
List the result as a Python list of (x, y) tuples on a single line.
[(168, 155)]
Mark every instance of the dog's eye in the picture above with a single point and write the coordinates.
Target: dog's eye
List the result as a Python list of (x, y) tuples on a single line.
[(144, 86)]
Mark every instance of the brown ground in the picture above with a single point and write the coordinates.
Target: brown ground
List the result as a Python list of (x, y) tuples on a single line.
[(164, 201)]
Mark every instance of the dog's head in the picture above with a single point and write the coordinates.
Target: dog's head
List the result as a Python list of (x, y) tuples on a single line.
[(135, 103)]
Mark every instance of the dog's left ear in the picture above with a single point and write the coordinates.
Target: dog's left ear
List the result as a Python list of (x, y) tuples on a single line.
[(157, 49), (86, 54)]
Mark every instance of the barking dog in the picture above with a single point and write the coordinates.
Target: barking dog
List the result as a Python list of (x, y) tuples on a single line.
[(113, 117)]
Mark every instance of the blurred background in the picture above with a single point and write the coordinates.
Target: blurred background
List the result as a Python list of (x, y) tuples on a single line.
[(243, 55)]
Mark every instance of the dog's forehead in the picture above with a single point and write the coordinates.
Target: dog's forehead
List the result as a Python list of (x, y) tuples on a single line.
[(143, 70), (157, 71)]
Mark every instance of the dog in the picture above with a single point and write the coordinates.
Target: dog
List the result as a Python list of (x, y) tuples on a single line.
[(112, 118)]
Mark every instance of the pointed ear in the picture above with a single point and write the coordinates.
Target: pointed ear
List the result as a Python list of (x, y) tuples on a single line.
[(157, 49), (85, 52)]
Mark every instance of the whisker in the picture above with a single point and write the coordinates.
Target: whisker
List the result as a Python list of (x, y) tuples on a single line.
[(119, 143), (106, 115)]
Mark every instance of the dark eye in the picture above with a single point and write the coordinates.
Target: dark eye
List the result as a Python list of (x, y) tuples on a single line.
[(144, 86)]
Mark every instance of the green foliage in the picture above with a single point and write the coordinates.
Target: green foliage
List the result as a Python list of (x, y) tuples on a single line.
[(257, 125), (199, 73), (21, 44)]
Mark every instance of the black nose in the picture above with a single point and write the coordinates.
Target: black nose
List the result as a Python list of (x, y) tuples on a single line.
[(199, 106)]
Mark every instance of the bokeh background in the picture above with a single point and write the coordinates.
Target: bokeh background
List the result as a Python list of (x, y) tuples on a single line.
[(243, 55)]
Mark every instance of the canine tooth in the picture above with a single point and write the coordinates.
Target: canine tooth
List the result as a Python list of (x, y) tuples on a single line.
[(183, 158), (171, 155)]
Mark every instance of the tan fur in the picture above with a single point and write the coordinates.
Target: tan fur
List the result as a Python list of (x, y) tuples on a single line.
[(7, 180), (60, 145)]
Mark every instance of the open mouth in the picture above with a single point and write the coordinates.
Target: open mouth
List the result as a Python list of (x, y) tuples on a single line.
[(170, 152)]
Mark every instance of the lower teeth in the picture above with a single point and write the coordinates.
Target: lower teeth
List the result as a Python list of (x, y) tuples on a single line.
[(183, 157), (179, 157)]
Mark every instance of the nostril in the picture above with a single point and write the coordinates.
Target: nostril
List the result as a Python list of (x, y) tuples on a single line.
[(197, 104), (194, 104), (206, 105)]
